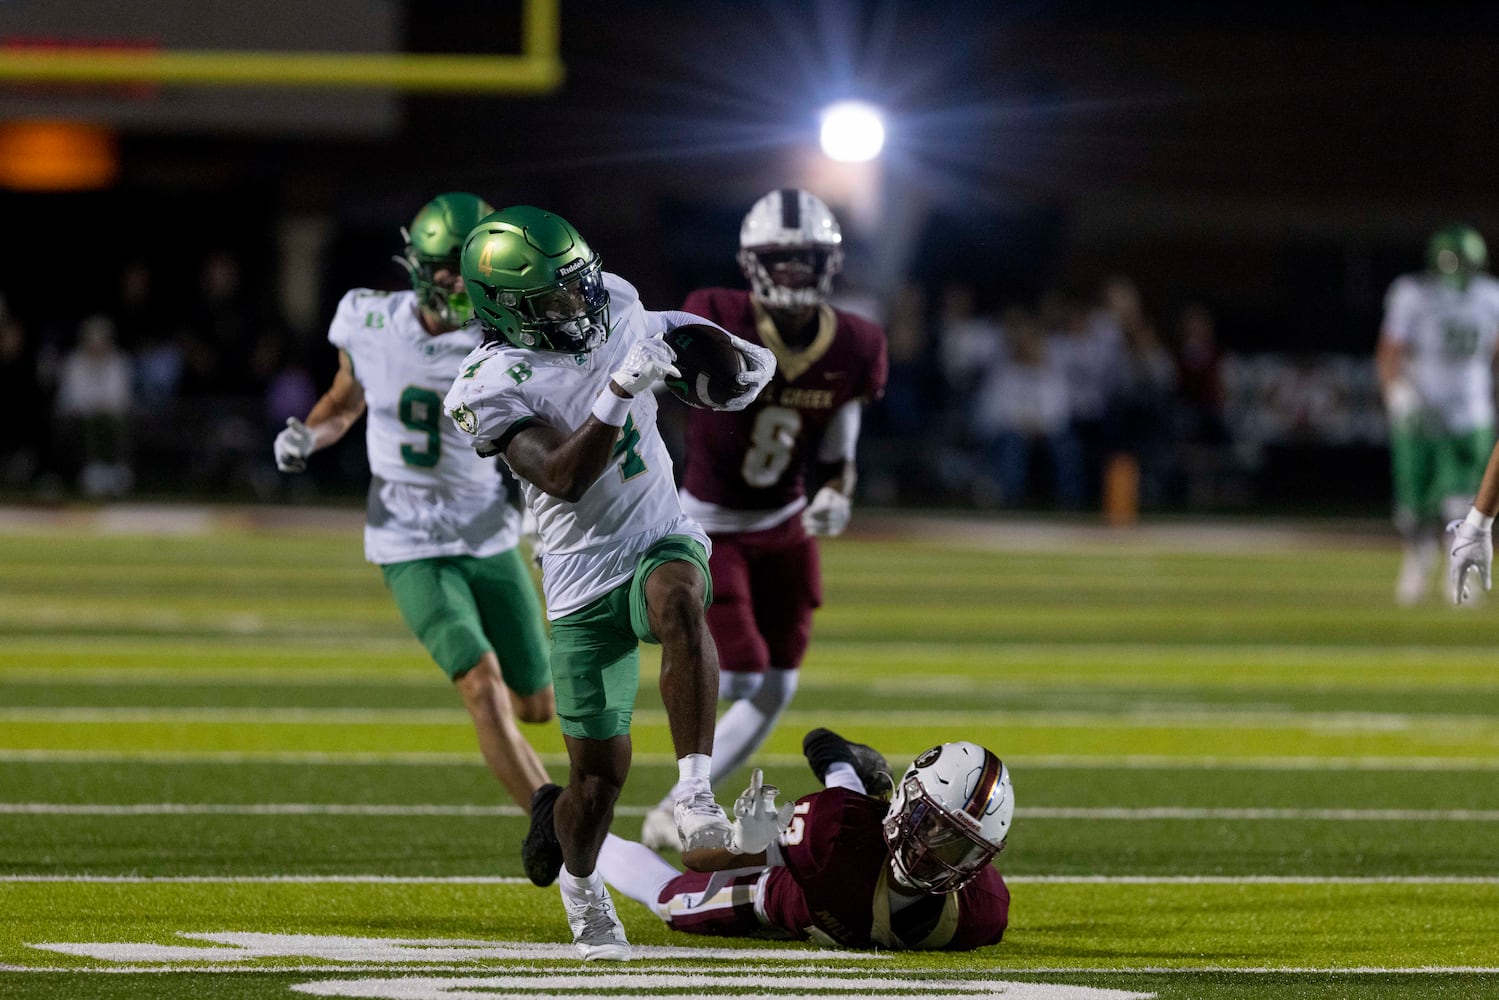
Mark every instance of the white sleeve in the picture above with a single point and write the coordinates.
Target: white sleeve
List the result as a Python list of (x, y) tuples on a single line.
[(842, 434), (345, 320), (1402, 303), (485, 402)]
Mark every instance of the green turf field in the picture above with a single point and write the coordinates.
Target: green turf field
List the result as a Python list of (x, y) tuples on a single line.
[(226, 770)]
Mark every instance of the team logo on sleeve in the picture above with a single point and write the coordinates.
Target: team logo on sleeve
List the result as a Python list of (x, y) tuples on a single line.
[(465, 419)]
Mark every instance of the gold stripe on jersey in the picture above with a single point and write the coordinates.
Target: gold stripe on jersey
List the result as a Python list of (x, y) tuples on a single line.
[(793, 364)]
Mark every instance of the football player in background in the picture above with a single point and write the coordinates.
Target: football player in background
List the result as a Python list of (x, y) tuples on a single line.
[(749, 473), (842, 867), (1473, 536), (561, 388), (1435, 359), (439, 522)]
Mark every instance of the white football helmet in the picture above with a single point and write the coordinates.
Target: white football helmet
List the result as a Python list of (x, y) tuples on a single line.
[(949, 817), (790, 246)]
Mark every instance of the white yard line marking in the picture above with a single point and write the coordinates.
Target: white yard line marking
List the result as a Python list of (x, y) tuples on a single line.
[(252, 715), (461, 809), (647, 984), (790, 957), (271, 809), (1253, 879), (1105, 762), (236, 946), (1335, 815), (1012, 879), (1235, 718), (912, 973), (274, 879)]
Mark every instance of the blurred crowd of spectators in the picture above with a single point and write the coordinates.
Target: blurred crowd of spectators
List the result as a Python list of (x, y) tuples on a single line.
[(1077, 403), (138, 395)]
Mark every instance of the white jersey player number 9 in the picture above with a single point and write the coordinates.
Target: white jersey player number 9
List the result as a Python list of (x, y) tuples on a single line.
[(420, 410)]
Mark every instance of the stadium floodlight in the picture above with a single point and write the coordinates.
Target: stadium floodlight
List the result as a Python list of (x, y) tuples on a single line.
[(852, 132)]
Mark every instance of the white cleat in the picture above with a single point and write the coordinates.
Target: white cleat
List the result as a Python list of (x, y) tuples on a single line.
[(659, 831), (597, 933), (701, 822)]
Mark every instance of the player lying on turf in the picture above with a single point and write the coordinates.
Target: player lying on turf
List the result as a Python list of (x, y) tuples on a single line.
[(840, 866)]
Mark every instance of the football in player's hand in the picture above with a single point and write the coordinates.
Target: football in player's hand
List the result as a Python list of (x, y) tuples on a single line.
[(710, 365)]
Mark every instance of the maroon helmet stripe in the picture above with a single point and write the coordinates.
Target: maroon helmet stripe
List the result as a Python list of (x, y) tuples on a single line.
[(985, 788)]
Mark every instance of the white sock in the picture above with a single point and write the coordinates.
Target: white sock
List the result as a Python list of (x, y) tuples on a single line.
[(576, 885), (692, 776), (635, 870), (841, 774), (694, 766)]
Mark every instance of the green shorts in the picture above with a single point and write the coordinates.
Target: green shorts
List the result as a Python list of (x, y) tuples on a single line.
[(1430, 467), (461, 608), (596, 649)]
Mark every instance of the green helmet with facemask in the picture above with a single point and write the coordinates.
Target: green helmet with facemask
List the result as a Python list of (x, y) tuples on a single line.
[(1455, 253), (535, 282), (434, 241)]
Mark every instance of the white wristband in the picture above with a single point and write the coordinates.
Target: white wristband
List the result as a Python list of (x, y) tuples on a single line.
[(612, 408), (1479, 520)]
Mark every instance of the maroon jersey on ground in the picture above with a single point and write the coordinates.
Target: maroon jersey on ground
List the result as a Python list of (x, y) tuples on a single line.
[(834, 883), (753, 459)]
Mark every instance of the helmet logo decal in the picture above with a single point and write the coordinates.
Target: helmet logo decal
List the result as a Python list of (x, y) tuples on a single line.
[(571, 266), (927, 758), (486, 259)]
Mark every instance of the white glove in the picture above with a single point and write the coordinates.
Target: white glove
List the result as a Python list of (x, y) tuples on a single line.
[(828, 513), (293, 445), (760, 368), (1401, 400), (1472, 549), (757, 822), (648, 362)]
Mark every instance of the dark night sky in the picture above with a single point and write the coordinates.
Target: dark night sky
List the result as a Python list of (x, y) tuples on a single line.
[(1274, 161)]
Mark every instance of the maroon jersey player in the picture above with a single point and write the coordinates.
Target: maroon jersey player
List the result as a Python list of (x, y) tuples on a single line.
[(766, 480), (849, 870)]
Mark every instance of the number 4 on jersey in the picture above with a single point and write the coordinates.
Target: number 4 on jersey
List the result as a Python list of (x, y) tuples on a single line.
[(628, 445)]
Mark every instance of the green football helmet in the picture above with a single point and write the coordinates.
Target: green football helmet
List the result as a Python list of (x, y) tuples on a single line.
[(1455, 253), (535, 282), (434, 241)]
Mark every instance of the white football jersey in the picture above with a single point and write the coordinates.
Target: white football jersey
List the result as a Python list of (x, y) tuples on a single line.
[(591, 545), (430, 494), (1449, 337)]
